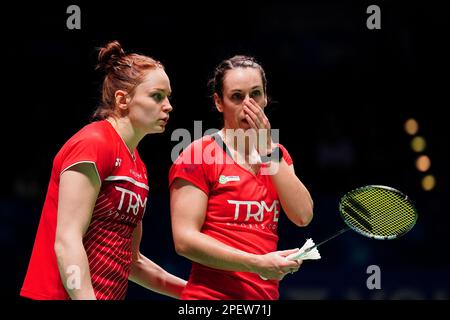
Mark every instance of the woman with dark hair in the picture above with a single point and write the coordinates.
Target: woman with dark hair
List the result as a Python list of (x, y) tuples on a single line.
[(87, 243), (225, 204)]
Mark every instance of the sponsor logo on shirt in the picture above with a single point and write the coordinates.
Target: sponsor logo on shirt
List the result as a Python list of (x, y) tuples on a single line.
[(224, 179), (258, 214), (132, 200), (136, 174)]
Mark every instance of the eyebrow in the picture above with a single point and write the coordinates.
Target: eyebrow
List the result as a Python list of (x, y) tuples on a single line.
[(255, 87), (169, 92)]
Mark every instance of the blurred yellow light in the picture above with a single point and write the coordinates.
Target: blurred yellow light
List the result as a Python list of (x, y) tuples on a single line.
[(418, 144), (411, 126), (428, 182), (423, 163)]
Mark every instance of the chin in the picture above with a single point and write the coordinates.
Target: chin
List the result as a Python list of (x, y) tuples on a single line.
[(156, 129)]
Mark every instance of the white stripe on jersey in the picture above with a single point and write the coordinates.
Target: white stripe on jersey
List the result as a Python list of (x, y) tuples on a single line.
[(73, 164), (129, 179)]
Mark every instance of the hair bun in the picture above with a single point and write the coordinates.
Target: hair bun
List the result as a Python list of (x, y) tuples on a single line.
[(110, 56)]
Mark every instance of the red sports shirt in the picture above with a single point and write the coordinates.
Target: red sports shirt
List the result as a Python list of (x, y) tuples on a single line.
[(119, 208), (242, 212)]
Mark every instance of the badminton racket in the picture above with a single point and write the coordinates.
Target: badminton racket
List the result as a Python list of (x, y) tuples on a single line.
[(374, 211)]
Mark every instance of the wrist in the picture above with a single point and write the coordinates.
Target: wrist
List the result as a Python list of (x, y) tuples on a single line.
[(254, 263), (275, 155)]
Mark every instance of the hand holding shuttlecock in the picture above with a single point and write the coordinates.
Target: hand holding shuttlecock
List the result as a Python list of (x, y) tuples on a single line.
[(307, 252)]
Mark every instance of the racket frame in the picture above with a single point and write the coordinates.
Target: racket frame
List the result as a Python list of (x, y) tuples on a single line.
[(370, 235)]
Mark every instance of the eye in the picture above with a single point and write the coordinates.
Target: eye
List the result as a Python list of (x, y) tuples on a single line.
[(158, 96), (256, 93), (237, 96)]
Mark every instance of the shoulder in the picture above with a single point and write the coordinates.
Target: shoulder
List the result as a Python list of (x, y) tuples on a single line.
[(94, 138), (286, 156), (196, 149), (201, 142), (95, 134), (282, 147), (97, 131)]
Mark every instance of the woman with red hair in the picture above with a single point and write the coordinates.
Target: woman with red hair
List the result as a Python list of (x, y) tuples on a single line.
[(87, 243)]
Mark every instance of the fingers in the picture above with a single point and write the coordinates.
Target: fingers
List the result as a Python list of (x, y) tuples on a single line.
[(256, 114), (295, 269), (251, 122), (276, 266), (252, 118), (291, 271), (287, 252)]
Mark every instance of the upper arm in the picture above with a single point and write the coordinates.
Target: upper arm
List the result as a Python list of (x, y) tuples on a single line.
[(78, 190), (188, 206)]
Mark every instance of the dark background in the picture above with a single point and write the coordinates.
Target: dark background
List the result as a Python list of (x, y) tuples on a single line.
[(340, 96)]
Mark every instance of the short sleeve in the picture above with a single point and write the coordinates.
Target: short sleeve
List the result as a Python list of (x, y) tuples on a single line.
[(88, 149), (286, 155), (191, 168)]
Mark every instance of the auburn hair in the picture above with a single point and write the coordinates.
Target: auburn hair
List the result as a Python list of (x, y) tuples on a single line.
[(122, 72)]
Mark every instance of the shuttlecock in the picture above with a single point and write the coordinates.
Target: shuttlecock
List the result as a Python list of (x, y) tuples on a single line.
[(304, 253)]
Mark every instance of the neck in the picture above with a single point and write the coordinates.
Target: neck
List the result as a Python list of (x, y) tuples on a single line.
[(130, 135), (243, 151), (238, 140)]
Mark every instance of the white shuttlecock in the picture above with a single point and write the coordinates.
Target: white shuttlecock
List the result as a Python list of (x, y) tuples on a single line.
[(302, 254)]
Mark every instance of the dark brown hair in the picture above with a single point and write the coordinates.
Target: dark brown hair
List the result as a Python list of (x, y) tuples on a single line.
[(122, 72), (240, 61)]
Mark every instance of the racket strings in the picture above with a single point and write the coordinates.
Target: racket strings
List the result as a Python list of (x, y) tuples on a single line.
[(377, 211)]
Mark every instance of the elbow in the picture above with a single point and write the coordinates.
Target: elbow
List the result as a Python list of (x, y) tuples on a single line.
[(308, 214), (304, 217), (182, 246), (66, 245), (303, 221), (59, 247), (137, 259)]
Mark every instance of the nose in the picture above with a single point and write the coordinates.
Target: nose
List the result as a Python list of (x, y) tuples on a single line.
[(167, 107)]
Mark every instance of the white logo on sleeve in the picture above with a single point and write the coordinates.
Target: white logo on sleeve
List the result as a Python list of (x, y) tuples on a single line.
[(118, 162)]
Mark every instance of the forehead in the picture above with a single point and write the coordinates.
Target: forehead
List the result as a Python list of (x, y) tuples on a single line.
[(242, 78), (155, 78)]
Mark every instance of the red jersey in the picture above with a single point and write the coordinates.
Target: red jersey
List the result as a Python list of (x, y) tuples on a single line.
[(119, 208), (242, 212)]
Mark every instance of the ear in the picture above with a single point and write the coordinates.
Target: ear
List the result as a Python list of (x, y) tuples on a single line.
[(218, 102), (121, 97)]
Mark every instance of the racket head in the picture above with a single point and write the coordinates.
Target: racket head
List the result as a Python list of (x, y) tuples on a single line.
[(378, 212)]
